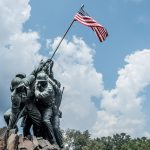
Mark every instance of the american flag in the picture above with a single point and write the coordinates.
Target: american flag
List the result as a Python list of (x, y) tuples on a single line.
[(86, 20)]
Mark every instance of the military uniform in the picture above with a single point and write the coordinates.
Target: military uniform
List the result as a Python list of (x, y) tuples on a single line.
[(58, 97), (57, 114), (22, 97), (45, 99), (56, 126), (13, 85)]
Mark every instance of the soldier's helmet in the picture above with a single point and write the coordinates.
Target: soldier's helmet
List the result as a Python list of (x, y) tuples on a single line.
[(21, 75), (42, 76), (15, 83), (29, 80)]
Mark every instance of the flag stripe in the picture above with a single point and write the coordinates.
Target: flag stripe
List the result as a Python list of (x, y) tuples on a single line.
[(89, 22), (86, 20), (98, 34)]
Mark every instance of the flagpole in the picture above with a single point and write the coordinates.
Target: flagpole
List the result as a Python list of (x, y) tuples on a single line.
[(64, 36), (62, 39)]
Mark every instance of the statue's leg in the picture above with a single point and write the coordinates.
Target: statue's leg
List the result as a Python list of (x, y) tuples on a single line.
[(36, 119), (7, 116), (12, 124), (57, 131), (46, 117), (27, 126)]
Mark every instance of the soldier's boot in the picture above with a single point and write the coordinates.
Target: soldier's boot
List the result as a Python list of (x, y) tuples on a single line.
[(7, 115), (37, 131), (59, 137), (26, 124), (50, 133)]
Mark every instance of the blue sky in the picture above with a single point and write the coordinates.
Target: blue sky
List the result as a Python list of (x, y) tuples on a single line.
[(106, 84), (127, 22)]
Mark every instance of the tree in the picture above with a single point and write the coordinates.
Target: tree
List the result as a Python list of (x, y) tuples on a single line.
[(77, 140)]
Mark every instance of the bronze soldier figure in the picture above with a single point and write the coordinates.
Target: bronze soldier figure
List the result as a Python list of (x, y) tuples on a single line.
[(40, 95), (22, 98), (45, 99), (57, 114)]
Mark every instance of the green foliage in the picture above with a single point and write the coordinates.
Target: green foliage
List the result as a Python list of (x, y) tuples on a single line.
[(77, 140)]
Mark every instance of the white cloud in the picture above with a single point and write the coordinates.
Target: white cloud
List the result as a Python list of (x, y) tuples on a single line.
[(18, 49), (12, 15), (121, 108), (74, 68)]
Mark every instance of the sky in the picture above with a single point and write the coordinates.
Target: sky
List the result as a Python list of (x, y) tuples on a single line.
[(106, 84)]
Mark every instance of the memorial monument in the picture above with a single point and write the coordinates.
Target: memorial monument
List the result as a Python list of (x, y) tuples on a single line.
[(36, 98)]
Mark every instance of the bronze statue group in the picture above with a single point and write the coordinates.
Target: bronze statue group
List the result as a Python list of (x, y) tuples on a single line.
[(36, 98)]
